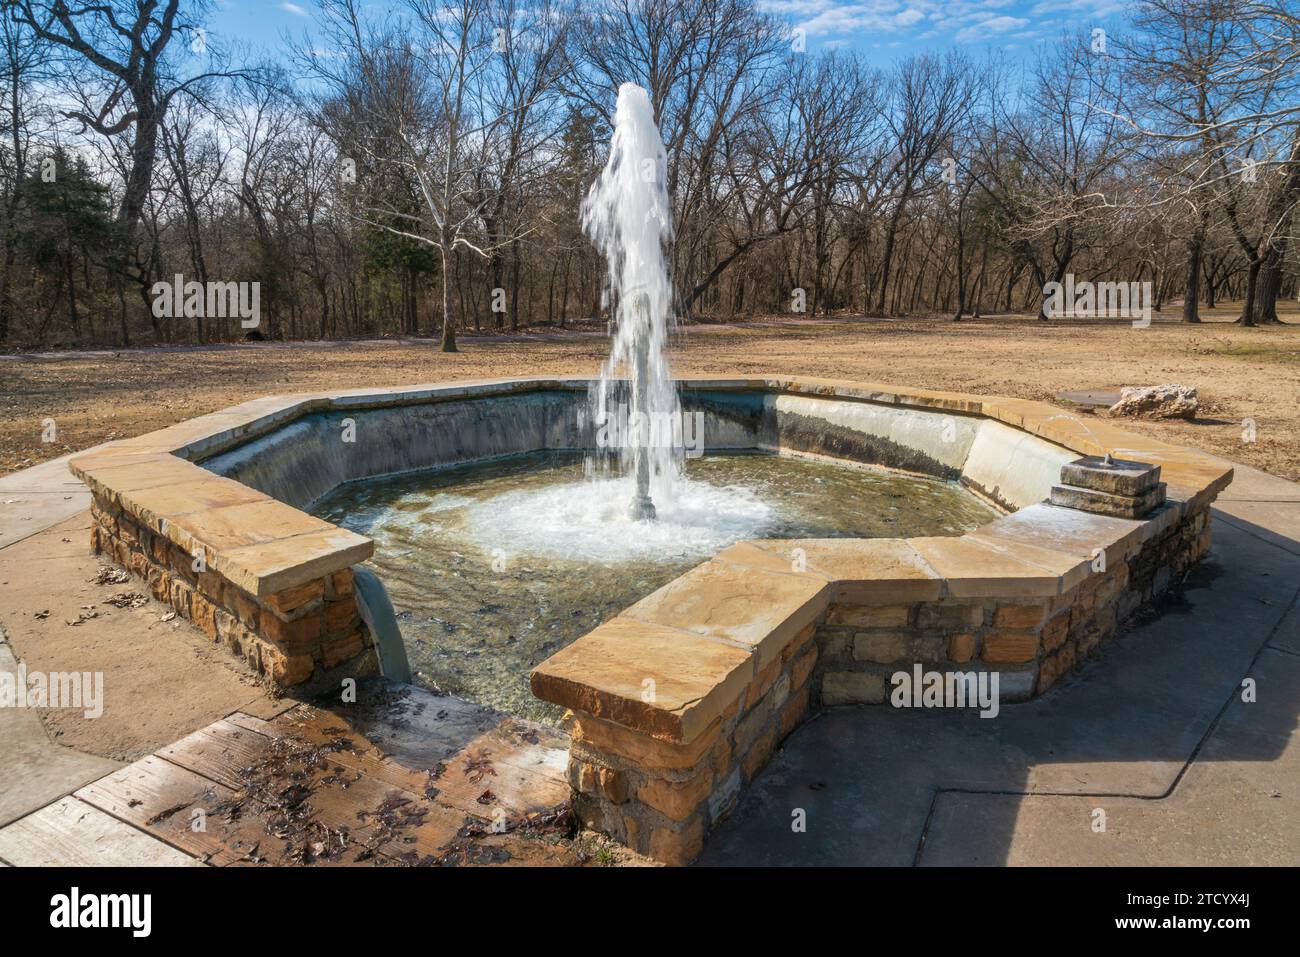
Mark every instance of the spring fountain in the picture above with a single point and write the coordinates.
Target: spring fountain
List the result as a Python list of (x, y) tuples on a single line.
[(507, 526), (627, 499), (628, 217)]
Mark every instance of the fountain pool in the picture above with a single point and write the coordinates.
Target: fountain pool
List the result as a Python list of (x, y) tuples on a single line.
[(494, 567), (677, 700)]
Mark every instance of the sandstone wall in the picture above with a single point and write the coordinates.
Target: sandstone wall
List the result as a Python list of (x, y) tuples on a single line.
[(310, 634)]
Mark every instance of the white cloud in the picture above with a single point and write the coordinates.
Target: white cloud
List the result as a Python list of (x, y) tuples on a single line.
[(991, 27), (1090, 8), (293, 8), (833, 17), (926, 21)]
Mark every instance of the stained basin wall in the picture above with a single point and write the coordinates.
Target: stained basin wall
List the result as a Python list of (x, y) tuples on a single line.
[(1013, 468), (913, 439), (305, 459)]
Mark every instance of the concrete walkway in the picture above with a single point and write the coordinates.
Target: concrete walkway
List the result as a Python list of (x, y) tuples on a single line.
[(1154, 741), (38, 498), (34, 770)]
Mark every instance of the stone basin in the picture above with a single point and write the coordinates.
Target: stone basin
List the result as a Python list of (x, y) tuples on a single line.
[(677, 703)]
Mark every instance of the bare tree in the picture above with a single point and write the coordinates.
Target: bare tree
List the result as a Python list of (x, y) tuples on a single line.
[(1055, 155), (121, 54), (19, 54), (424, 93), (929, 98)]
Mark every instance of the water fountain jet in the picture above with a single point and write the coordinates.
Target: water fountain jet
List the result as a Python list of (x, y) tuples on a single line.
[(627, 215), (642, 508)]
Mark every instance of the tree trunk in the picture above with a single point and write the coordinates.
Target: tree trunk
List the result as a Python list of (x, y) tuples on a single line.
[(888, 256), (6, 303), (961, 266), (1247, 317), (70, 278), (1042, 300), (121, 309), (497, 270), (1270, 284), (514, 285), (1195, 247), (448, 325)]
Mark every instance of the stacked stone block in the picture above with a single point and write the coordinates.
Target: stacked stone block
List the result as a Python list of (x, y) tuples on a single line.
[(660, 798), (306, 633), (1109, 486), (1031, 642)]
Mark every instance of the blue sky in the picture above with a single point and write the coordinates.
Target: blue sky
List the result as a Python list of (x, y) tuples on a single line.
[(885, 29), (911, 26)]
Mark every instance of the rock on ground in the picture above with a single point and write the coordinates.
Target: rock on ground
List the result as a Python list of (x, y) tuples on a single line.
[(1157, 402)]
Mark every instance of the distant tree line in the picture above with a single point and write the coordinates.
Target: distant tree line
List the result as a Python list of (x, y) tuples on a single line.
[(418, 170)]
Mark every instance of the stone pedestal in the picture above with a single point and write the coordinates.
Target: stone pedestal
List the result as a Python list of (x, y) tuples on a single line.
[(1108, 486)]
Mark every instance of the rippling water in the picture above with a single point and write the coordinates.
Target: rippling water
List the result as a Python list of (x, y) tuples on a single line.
[(493, 568)]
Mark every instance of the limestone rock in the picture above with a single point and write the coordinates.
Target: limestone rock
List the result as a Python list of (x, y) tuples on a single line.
[(1116, 476), (1105, 503), (1157, 402)]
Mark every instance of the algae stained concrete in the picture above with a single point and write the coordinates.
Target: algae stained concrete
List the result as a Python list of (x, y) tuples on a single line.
[(1156, 735)]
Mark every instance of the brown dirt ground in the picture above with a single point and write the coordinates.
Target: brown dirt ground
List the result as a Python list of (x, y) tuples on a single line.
[(1241, 373)]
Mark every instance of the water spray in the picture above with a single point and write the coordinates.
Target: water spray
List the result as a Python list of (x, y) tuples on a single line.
[(643, 508), (628, 217)]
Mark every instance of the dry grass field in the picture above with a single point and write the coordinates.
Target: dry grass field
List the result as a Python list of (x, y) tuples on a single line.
[(1241, 373)]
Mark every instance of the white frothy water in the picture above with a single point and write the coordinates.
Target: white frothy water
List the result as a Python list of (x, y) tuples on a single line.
[(627, 215), (589, 522)]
